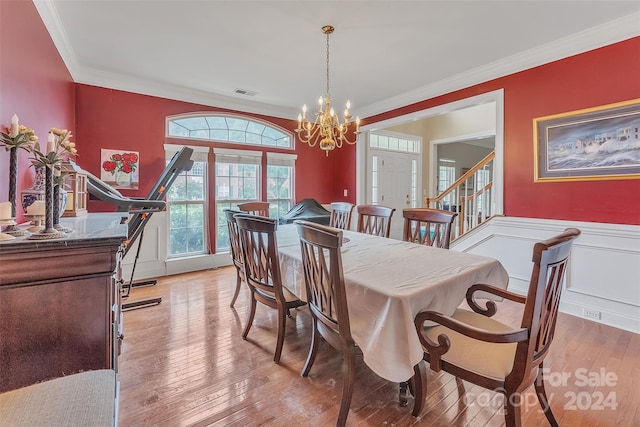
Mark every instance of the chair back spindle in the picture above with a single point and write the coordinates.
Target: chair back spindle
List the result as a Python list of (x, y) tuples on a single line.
[(260, 253), (426, 226), (341, 215), (550, 258), (375, 220)]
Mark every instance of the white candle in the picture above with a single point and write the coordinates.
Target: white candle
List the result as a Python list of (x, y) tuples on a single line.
[(14, 126), (51, 143), (37, 208), (5, 210)]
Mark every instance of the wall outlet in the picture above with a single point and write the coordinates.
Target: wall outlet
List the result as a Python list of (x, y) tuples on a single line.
[(345, 192), (591, 314)]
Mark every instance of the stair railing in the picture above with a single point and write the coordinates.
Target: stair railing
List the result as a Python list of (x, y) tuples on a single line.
[(470, 196)]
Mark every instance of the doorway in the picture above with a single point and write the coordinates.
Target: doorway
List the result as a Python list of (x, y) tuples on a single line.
[(363, 150), (394, 183)]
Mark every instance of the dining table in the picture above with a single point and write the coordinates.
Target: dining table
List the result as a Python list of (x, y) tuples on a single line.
[(387, 283)]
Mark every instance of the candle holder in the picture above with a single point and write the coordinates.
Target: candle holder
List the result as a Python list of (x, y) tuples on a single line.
[(48, 232), (62, 229), (56, 211), (8, 222), (12, 229), (37, 223)]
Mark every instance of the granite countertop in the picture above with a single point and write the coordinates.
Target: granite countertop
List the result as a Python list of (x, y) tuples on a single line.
[(89, 229)]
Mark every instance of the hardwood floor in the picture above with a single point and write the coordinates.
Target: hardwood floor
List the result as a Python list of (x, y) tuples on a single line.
[(184, 363)]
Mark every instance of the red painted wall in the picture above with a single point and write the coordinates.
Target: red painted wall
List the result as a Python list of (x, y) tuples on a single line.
[(344, 172), (599, 77), (115, 119), (34, 84)]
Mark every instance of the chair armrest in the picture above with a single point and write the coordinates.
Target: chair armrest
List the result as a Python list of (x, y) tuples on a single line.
[(491, 307), (436, 350)]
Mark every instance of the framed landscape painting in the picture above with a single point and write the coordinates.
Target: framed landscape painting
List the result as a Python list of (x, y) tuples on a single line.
[(592, 144)]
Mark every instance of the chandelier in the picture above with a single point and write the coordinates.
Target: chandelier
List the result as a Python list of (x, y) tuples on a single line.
[(326, 129)]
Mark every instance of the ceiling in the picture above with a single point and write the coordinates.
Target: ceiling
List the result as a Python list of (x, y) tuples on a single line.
[(383, 54)]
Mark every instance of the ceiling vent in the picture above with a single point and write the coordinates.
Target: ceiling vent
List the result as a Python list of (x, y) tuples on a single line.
[(245, 92)]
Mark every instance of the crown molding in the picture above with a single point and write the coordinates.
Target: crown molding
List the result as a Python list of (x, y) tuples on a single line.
[(593, 38), (150, 87), (611, 32), (49, 15)]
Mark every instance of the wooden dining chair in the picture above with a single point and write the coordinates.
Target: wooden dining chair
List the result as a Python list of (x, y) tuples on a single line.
[(255, 208), (474, 347), (262, 272), (374, 219), (341, 215), (236, 254), (324, 281), (428, 226)]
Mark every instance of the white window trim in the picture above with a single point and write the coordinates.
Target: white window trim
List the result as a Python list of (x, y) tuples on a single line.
[(200, 153), (281, 159), (391, 134), (288, 160), (250, 156), (241, 156), (204, 114)]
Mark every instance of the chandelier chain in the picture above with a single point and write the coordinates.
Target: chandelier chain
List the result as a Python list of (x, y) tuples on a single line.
[(328, 93)]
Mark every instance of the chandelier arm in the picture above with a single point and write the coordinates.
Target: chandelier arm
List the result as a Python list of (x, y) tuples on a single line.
[(311, 129)]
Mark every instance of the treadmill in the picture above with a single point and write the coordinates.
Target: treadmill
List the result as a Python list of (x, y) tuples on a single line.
[(140, 211)]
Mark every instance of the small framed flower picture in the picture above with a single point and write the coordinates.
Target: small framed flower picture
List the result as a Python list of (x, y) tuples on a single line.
[(119, 168)]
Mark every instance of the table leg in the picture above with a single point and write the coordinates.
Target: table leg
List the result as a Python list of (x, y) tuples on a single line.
[(404, 393), (408, 388)]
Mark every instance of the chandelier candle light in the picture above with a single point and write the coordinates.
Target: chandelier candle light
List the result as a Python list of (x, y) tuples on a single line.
[(327, 129)]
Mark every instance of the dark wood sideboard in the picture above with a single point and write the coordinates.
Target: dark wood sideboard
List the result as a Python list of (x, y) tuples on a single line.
[(60, 301)]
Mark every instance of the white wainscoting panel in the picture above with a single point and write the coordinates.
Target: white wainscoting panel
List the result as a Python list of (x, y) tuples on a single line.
[(604, 271), (153, 260), (152, 253)]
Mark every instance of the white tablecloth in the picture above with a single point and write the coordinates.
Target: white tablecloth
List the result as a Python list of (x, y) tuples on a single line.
[(388, 282)]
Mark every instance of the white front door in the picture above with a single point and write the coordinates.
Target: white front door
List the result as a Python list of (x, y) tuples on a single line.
[(395, 183)]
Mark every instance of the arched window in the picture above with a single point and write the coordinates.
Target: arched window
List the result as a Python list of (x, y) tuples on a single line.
[(238, 177), (228, 128)]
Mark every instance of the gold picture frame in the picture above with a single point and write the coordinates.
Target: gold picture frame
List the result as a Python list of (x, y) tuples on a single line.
[(600, 143)]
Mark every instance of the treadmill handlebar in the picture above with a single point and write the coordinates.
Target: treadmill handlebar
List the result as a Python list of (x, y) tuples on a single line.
[(100, 190)]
